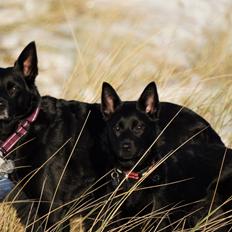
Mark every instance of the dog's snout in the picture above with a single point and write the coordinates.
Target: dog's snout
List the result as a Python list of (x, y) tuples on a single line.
[(2, 104), (127, 146), (3, 109)]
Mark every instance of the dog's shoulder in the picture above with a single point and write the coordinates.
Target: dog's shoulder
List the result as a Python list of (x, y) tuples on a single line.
[(60, 107), (168, 111), (185, 123)]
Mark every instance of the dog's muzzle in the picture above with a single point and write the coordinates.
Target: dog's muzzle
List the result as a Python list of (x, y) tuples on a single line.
[(3, 109), (127, 150), (4, 114)]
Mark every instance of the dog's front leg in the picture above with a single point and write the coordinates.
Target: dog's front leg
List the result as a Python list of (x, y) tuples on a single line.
[(56, 221)]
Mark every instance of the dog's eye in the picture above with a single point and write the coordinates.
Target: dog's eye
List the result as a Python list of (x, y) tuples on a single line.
[(138, 128), (12, 90), (117, 128)]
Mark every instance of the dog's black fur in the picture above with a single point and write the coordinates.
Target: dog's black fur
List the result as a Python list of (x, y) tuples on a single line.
[(52, 137), (132, 127), (217, 202), (41, 161)]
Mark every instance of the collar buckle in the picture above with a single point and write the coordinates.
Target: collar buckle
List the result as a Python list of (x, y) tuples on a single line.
[(115, 175)]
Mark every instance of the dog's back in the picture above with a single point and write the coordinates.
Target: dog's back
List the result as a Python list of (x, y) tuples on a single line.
[(184, 125)]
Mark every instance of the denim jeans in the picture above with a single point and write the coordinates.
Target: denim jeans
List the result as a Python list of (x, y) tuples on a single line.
[(6, 185)]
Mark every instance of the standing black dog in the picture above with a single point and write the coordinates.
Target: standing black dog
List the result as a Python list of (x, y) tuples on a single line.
[(132, 128), (51, 171)]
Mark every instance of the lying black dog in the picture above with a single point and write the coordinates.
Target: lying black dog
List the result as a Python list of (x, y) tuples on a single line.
[(214, 211), (51, 144), (132, 131)]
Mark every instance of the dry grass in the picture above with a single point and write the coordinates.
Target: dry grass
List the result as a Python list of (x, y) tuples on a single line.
[(8, 220), (204, 87), (129, 64)]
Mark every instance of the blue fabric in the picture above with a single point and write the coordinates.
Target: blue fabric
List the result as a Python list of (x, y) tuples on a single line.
[(6, 185)]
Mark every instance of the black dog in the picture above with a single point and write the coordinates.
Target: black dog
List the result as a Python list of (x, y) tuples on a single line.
[(132, 131), (216, 206), (53, 156)]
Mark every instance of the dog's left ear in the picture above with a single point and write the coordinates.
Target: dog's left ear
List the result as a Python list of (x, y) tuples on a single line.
[(110, 100), (149, 101), (27, 63)]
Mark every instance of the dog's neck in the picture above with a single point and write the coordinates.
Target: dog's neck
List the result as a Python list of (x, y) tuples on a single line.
[(144, 164), (7, 127)]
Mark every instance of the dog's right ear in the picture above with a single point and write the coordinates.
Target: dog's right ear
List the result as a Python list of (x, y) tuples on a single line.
[(110, 101), (27, 63), (149, 101)]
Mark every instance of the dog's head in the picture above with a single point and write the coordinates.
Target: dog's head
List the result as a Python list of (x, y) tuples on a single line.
[(18, 93), (130, 125)]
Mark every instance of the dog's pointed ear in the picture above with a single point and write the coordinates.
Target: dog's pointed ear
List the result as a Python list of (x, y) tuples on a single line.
[(27, 62), (149, 101), (110, 101)]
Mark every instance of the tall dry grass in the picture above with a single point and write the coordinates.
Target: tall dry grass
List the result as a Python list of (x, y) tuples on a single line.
[(128, 64), (204, 87)]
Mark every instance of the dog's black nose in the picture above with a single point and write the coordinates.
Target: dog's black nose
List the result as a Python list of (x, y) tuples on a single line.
[(2, 104), (127, 146)]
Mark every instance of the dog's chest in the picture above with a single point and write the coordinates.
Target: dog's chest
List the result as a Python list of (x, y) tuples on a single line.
[(137, 197)]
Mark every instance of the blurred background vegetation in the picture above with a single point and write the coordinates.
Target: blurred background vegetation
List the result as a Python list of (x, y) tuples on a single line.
[(184, 46)]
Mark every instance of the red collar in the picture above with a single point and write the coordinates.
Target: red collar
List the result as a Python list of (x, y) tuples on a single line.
[(22, 129), (129, 174), (133, 175)]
